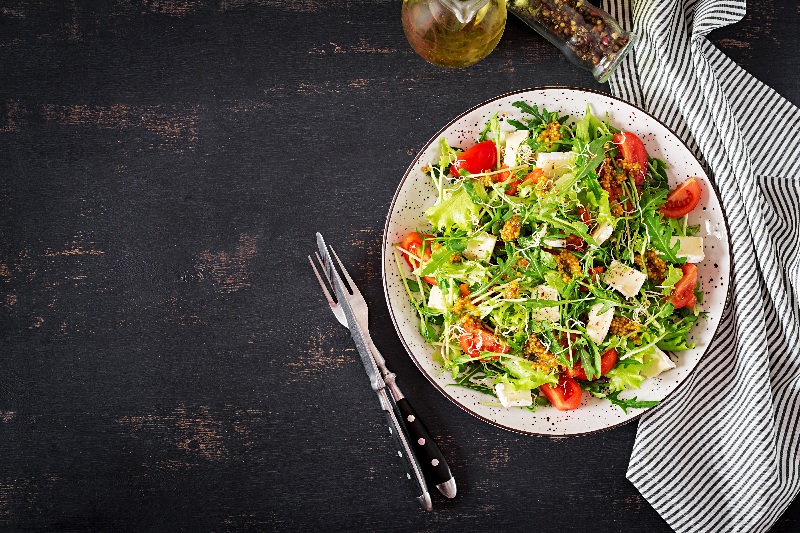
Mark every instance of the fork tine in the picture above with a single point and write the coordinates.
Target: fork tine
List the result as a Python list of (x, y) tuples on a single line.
[(319, 279), (353, 287), (338, 312)]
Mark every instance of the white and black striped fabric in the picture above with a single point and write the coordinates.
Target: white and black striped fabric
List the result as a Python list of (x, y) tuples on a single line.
[(723, 453)]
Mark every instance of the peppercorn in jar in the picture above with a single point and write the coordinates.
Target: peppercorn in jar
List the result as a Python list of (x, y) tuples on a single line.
[(587, 35)]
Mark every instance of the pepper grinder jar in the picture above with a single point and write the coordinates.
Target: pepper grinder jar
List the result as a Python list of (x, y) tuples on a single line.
[(453, 33), (587, 35)]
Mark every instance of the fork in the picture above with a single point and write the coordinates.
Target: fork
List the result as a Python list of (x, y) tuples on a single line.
[(432, 461)]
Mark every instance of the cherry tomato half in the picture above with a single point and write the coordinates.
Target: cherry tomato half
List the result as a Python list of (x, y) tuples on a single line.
[(683, 293), (607, 362), (412, 243), (565, 396), (476, 340), (682, 200), (477, 158), (573, 242), (631, 149)]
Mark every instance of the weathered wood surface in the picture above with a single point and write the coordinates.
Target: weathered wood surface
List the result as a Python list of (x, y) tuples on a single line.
[(166, 359)]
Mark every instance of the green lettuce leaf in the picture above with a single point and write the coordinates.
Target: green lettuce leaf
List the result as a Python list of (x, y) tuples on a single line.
[(526, 376), (627, 374), (491, 131), (448, 154), (590, 127), (457, 211)]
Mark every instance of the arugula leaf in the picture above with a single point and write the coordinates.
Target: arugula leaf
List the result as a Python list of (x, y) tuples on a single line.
[(532, 110), (596, 149), (677, 333), (476, 372), (659, 234), (517, 124), (428, 332), (590, 361), (479, 387), (599, 389), (658, 173), (633, 403), (541, 118)]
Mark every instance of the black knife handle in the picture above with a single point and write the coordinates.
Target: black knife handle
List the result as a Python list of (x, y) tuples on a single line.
[(420, 490), (430, 457)]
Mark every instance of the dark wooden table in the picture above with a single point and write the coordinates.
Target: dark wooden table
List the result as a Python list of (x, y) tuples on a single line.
[(166, 359)]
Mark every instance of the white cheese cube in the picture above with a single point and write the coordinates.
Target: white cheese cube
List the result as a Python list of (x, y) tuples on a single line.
[(626, 280), (597, 324), (480, 247), (602, 232), (549, 314), (513, 140), (554, 164), (555, 243), (660, 363), (509, 396), (436, 299), (690, 247)]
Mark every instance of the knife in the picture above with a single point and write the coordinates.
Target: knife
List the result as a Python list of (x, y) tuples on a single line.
[(360, 337), (433, 463)]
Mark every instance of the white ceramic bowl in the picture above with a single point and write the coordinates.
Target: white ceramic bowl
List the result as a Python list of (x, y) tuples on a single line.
[(416, 193)]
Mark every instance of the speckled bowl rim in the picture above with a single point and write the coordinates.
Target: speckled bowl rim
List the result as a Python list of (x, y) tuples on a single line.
[(386, 245)]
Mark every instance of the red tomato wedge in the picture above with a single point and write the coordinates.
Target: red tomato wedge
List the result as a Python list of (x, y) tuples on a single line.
[(565, 396), (607, 362), (682, 200), (631, 149), (502, 176), (476, 340), (533, 178), (481, 157), (683, 293), (412, 243)]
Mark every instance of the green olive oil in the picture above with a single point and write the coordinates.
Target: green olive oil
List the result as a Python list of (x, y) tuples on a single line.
[(436, 33)]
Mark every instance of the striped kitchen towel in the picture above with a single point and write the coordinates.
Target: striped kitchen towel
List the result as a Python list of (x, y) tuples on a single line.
[(723, 453)]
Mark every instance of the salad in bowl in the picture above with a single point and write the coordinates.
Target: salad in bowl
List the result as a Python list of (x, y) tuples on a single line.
[(556, 266)]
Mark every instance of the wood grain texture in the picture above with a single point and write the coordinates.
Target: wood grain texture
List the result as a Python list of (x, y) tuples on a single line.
[(166, 359)]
